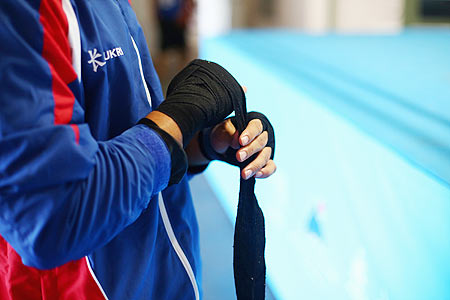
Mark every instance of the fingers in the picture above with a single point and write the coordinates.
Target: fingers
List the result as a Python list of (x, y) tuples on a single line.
[(252, 143), (253, 130), (267, 171), (254, 140), (255, 146), (261, 167), (223, 135)]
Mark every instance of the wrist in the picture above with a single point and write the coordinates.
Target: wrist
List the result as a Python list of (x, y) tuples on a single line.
[(197, 161), (178, 156), (194, 152), (167, 124)]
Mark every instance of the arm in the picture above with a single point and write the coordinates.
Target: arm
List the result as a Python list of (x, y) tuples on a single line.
[(62, 193)]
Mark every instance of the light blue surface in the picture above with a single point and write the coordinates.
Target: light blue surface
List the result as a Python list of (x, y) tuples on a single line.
[(360, 205), (397, 87)]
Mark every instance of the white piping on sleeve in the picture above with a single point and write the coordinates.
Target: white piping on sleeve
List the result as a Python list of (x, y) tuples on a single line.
[(149, 99), (95, 278), (74, 37), (177, 246)]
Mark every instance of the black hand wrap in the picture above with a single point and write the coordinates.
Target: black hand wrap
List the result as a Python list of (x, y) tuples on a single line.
[(229, 156), (178, 157), (201, 95)]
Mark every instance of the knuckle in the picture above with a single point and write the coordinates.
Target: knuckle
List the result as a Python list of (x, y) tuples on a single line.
[(268, 152), (265, 136), (273, 168), (261, 142), (257, 165), (257, 125), (261, 127)]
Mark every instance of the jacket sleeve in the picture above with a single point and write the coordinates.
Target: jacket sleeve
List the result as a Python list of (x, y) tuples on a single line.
[(62, 193)]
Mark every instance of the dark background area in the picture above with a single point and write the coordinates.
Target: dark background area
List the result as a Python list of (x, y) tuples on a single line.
[(435, 8)]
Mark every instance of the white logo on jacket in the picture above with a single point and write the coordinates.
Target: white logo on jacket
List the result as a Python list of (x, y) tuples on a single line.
[(107, 55)]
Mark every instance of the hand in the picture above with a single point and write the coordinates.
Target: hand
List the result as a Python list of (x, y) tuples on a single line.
[(253, 140), (200, 96)]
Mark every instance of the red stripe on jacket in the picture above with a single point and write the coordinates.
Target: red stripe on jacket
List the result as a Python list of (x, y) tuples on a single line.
[(76, 131), (73, 280), (56, 51)]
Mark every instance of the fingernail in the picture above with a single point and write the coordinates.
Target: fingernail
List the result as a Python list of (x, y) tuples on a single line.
[(259, 174), (242, 155), (247, 174), (244, 140)]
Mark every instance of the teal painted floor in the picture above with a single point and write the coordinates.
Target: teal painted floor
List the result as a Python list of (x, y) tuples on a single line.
[(360, 205)]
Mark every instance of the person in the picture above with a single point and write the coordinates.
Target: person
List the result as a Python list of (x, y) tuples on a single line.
[(173, 18), (94, 199), (174, 52)]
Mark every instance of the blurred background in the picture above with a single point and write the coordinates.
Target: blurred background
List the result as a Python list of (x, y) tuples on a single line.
[(358, 92)]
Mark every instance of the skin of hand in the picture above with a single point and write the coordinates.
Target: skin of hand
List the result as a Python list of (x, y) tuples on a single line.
[(252, 140)]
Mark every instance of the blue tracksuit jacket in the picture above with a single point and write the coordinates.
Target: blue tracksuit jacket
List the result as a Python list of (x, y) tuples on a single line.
[(84, 208)]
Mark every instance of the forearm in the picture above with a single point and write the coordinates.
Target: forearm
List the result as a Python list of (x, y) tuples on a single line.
[(76, 215)]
